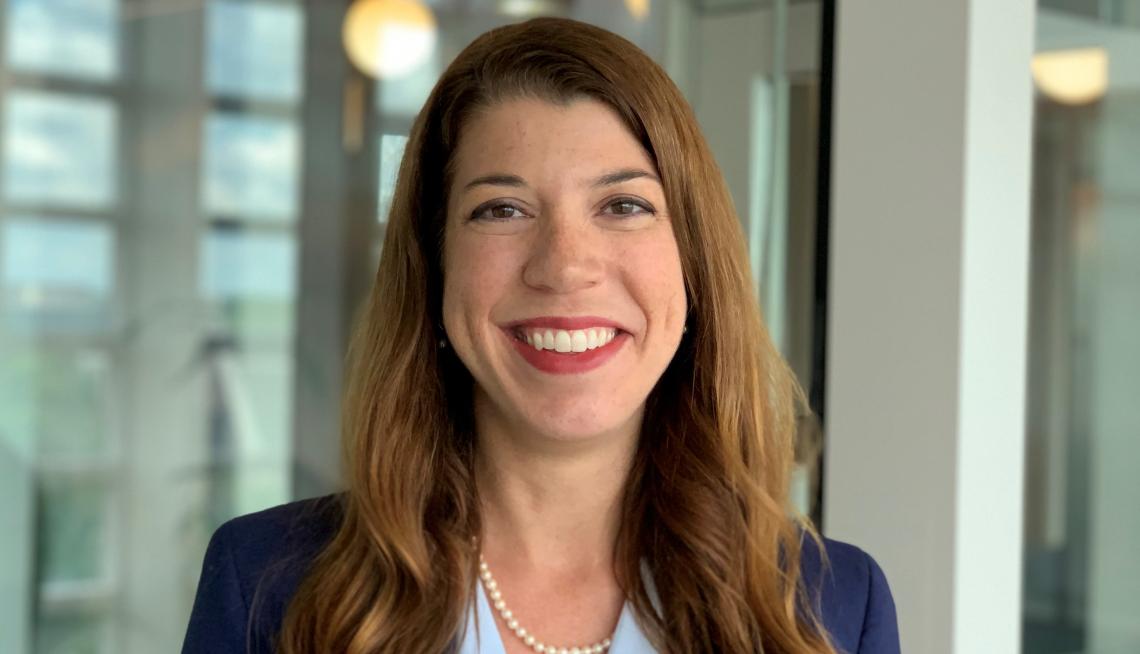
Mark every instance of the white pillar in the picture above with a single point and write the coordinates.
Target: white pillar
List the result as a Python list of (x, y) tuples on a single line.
[(928, 296)]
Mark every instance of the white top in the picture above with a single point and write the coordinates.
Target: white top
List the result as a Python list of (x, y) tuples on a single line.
[(627, 639)]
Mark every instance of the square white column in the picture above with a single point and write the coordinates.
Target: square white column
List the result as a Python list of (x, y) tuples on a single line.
[(927, 309)]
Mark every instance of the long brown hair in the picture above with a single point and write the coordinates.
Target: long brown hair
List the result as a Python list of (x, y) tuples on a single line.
[(705, 504)]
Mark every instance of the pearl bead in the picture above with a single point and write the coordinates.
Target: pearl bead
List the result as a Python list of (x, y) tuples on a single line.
[(512, 623)]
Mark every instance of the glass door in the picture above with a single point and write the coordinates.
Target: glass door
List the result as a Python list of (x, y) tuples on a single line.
[(1082, 529)]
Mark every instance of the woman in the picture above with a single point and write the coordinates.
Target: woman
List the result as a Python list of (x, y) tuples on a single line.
[(566, 428)]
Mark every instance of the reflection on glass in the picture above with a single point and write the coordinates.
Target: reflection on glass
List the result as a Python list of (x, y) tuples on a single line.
[(75, 38), (250, 167), (254, 49), (59, 149)]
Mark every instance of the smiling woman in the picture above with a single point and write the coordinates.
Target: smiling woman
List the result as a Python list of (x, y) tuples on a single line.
[(561, 377), (565, 231)]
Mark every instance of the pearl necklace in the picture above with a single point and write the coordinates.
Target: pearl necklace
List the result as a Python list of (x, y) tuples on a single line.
[(496, 598)]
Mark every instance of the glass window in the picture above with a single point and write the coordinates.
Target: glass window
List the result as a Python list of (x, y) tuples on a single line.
[(250, 167), (59, 149), (250, 280), (57, 274), (248, 265), (75, 257), (254, 49), (74, 38)]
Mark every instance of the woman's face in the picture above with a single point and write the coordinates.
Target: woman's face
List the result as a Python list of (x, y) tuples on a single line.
[(563, 290)]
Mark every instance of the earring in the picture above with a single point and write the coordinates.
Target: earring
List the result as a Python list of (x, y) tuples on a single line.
[(685, 329), (443, 338)]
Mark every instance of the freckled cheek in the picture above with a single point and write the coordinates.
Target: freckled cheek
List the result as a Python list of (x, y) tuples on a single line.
[(479, 275), (654, 269)]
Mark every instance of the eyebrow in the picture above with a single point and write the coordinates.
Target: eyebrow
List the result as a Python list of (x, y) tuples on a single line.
[(623, 175), (609, 179)]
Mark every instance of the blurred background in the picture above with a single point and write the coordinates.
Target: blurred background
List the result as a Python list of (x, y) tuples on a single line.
[(193, 194)]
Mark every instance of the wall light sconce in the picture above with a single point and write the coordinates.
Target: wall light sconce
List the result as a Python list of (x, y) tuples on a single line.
[(389, 38)]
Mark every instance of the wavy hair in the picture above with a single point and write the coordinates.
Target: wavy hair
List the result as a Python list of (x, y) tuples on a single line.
[(706, 501)]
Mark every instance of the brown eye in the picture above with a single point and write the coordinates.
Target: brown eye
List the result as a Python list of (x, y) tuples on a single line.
[(628, 207), (495, 212)]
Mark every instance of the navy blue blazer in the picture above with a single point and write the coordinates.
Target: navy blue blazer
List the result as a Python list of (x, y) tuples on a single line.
[(254, 563)]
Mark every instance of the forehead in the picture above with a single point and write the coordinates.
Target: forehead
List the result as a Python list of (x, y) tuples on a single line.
[(539, 138)]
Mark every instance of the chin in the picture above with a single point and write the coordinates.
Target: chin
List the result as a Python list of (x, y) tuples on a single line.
[(581, 424)]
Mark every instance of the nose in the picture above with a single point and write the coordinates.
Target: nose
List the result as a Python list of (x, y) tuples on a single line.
[(565, 257)]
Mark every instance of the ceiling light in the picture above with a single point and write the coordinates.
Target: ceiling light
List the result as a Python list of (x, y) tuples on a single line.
[(1072, 77), (389, 38)]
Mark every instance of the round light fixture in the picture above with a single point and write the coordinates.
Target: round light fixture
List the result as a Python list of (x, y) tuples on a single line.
[(639, 9), (1072, 77), (389, 38)]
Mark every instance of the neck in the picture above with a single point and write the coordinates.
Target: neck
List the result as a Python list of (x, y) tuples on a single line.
[(549, 502)]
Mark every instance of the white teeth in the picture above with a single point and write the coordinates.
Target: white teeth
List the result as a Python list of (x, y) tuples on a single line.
[(565, 341), (578, 341)]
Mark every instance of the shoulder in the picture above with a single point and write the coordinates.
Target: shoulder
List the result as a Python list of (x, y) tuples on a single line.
[(853, 596), (252, 567), (289, 534)]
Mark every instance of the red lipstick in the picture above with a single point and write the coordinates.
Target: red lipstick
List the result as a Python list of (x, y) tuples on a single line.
[(565, 363)]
